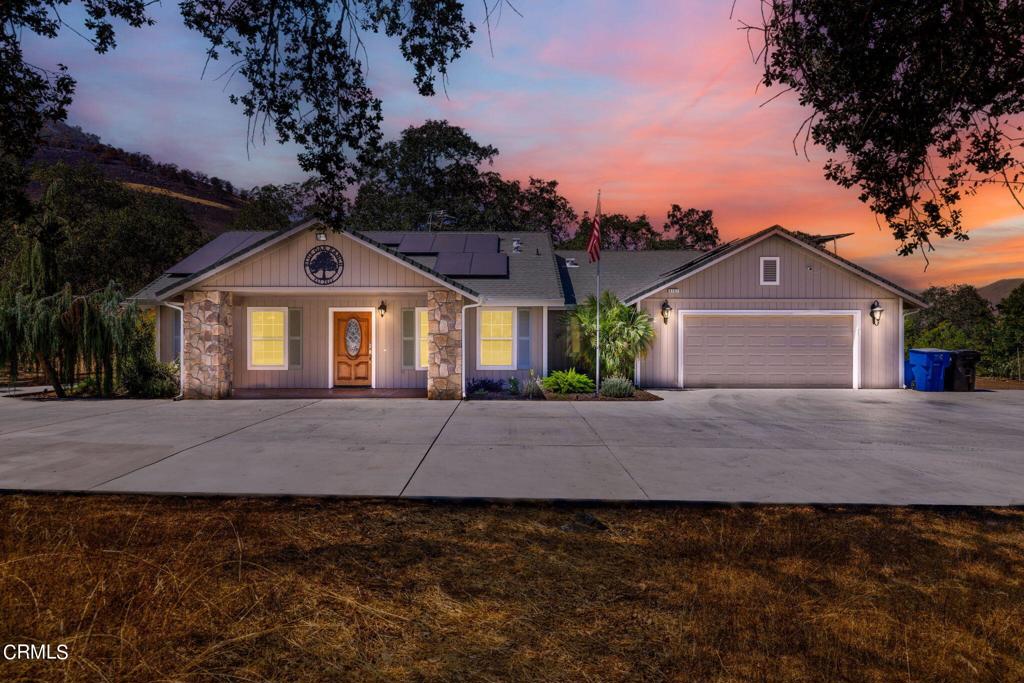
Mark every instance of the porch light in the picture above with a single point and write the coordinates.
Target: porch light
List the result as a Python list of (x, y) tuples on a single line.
[(666, 311), (876, 312), (321, 236), (382, 309)]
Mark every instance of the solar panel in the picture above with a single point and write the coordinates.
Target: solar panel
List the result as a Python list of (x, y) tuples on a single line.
[(482, 244), (448, 243), (219, 247), (390, 239), (417, 244), (453, 263), (489, 265)]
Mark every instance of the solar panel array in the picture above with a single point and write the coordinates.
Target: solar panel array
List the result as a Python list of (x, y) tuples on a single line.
[(457, 255)]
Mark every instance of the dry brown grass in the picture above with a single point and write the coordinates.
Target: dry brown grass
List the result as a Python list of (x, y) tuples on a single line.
[(148, 589)]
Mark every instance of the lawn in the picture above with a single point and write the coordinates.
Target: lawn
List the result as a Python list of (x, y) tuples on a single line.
[(145, 589)]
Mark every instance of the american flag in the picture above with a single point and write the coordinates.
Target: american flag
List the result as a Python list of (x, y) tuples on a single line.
[(594, 245)]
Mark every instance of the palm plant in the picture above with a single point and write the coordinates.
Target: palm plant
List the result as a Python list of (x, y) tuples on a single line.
[(627, 333)]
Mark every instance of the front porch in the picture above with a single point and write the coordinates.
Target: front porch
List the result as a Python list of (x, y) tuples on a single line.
[(401, 342), (336, 392)]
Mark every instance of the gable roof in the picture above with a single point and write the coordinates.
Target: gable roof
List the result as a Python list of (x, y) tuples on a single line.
[(725, 250), (623, 272), (227, 253)]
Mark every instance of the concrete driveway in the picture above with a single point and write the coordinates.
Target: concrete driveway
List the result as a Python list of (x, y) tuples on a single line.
[(806, 446)]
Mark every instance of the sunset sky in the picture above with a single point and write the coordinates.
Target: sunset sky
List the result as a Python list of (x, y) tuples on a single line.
[(653, 102)]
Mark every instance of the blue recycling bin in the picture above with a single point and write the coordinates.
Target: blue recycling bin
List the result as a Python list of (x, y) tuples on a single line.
[(929, 368)]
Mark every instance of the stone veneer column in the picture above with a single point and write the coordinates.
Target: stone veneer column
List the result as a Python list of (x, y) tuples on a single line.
[(208, 348), (444, 367)]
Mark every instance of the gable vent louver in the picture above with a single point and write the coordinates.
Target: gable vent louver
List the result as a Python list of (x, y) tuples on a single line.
[(769, 270)]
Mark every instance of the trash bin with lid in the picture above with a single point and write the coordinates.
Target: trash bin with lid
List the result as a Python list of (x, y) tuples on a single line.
[(962, 371), (929, 368)]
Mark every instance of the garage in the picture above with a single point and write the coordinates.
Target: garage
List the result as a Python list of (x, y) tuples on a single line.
[(761, 349)]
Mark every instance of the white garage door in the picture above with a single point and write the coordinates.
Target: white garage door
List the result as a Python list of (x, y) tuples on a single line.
[(767, 351)]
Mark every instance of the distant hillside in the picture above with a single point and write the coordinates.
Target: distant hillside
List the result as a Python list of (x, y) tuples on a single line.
[(998, 290), (212, 202)]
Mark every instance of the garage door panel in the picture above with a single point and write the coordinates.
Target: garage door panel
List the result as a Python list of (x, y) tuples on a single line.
[(767, 351)]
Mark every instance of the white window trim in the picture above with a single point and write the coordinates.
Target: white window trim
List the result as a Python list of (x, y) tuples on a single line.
[(479, 338), (855, 380), (417, 365), (778, 275), (373, 340), (248, 337)]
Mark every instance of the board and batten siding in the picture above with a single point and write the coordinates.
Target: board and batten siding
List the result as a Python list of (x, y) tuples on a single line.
[(283, 265), (313, 373), (807, 281), (536, 347)]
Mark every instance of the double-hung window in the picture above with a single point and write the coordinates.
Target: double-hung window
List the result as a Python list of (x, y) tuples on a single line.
[(268, 338), (496, 339)]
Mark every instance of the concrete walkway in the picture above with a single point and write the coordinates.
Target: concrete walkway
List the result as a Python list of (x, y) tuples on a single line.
[(807, 446)]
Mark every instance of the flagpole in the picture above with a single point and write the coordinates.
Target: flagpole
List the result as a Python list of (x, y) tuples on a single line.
[(597, 369)]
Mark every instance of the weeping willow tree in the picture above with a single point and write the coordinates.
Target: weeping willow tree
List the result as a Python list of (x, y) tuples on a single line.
[(43, 321)]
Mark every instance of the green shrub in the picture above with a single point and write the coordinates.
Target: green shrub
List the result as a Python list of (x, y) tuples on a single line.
[(484, 385), (568, 382), (513, 386), (140, 373), (617, 387)]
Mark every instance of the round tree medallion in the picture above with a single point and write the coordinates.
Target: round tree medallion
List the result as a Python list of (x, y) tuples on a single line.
[(324, 264), (353, 337)]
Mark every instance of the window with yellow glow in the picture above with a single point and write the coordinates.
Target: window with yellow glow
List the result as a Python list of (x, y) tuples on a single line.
[(497, 338), (422, 338), (268, 338)]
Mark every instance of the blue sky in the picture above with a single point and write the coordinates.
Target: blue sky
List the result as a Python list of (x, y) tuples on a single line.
[(653, 102)]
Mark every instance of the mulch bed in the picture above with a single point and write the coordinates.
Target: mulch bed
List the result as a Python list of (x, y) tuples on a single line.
[(998, 383), (498, 396), (640, 395)]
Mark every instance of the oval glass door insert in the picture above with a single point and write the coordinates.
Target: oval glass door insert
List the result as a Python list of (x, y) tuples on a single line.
[(353, 337)]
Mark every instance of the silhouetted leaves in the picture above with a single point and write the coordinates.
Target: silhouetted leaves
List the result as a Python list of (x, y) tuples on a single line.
[(920, 101)]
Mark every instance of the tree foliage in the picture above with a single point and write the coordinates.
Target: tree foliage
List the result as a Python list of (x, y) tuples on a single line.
[(273, 207), (959, 318), (100, 231), (434, 175), (692, 228), (302, 63), (60, 306), (919, 102)]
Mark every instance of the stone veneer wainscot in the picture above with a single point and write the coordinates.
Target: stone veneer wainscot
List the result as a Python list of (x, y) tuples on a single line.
[(208, 344), (444, 366)]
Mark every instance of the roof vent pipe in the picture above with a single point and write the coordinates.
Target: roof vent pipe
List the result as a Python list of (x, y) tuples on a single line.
[(517, 245), (571, 262)]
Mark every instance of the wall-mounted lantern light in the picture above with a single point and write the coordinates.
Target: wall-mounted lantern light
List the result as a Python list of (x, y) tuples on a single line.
[(876, 312), (321, 236), (666, 311), (382, 309)]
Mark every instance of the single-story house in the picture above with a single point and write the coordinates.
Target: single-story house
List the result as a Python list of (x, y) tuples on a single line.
[(309, 308)]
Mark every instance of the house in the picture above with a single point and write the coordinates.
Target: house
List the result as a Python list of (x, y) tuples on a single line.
[(307, 308)]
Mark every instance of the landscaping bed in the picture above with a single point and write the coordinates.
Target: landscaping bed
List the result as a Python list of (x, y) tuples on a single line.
[(638, 395), (998, 383), (236, 589)]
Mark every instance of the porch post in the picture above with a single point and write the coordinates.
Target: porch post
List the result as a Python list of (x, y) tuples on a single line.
[(444, 366), (208, 348)]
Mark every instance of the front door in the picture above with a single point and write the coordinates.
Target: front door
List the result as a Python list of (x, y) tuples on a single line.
[(353, 362)]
